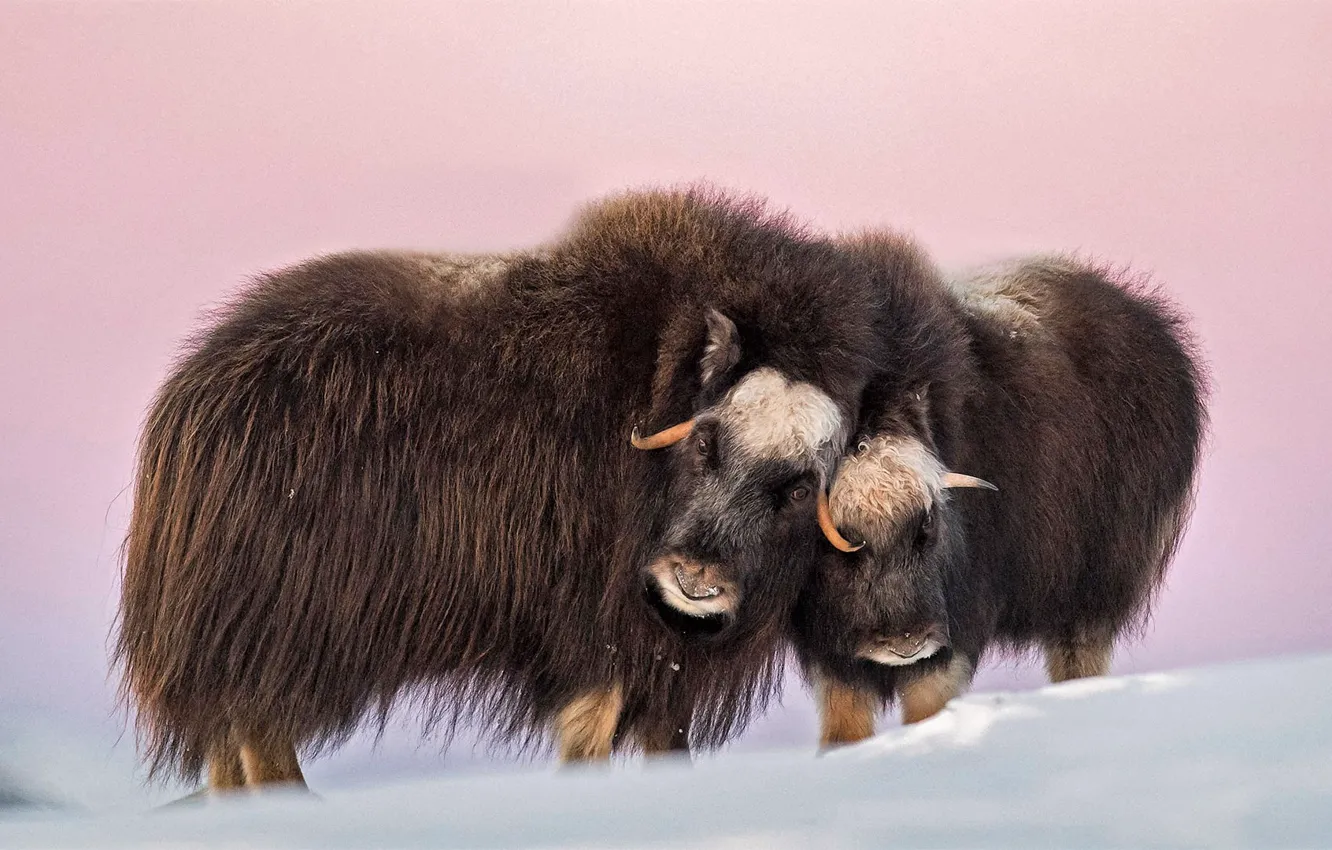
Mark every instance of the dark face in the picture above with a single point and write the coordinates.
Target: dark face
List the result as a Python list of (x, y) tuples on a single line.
[(884, 604), (743, 492)]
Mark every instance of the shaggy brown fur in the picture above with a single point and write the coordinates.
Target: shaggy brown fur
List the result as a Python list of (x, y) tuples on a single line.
[(379, 477), (1077, 392)]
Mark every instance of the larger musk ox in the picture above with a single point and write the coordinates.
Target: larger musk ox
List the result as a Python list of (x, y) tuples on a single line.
[(386, 476), (1022, 484)]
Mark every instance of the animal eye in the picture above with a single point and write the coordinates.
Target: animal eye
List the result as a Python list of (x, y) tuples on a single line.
[(925, 530), (703, 446), (799, 494)]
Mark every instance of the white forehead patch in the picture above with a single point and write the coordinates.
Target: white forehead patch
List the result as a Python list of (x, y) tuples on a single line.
[(776, 418), (883, 484)]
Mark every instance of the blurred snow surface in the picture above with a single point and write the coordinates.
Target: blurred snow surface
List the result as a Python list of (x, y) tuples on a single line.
[(1231, 756)]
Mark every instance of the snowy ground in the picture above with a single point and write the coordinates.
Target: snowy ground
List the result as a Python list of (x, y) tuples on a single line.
[(1221, 757)]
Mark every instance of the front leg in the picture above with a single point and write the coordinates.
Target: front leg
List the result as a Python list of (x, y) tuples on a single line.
[(586, 726), (926, 696), (846, 712)]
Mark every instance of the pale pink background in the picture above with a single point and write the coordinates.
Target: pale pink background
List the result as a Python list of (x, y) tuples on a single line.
[(152, 155)]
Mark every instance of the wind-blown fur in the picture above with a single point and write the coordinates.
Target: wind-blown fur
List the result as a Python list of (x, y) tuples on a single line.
[(1075, 390), (388, 476)]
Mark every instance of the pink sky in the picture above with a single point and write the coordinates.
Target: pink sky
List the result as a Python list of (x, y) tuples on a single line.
[(152, 155)]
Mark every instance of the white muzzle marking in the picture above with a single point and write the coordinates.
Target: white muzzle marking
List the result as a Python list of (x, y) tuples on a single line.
[(884, 655), (705, 600)]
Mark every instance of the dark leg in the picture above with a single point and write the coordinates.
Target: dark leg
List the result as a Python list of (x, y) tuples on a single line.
[(672, 740), (846, 713), (1078, 658)]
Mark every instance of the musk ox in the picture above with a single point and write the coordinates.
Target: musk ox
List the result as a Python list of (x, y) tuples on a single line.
[(402, 476), (1073, 394)]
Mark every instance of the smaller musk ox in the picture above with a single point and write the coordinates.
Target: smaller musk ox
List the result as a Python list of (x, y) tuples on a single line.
[(1074, 395), (406, 476)]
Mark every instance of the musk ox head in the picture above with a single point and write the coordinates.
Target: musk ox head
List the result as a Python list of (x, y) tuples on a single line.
[(745, 474), (881, 599)]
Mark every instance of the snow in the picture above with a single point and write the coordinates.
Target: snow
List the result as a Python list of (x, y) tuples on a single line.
[(1231, 756), (56, 762)]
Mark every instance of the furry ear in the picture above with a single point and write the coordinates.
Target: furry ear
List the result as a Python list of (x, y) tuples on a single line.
[(722, 350)]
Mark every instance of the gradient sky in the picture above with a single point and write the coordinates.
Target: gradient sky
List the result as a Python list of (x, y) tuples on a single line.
[(152, 155)]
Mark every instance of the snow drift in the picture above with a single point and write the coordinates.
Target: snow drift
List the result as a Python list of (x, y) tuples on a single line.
[(1230, 756)]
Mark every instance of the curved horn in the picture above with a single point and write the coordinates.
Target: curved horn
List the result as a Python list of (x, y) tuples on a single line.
[(957, 479), (662, 439), (830, 530)]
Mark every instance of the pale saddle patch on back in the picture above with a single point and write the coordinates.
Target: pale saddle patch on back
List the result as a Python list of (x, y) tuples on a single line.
[(889, 480), (776, 418), (460, 275), (1011, 293)]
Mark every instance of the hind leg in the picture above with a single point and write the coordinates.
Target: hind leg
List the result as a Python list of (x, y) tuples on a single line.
[(225, 772), (586, 726), (1078, 658), (846, 713), (269, 759), (670, 741), (926, 696)]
